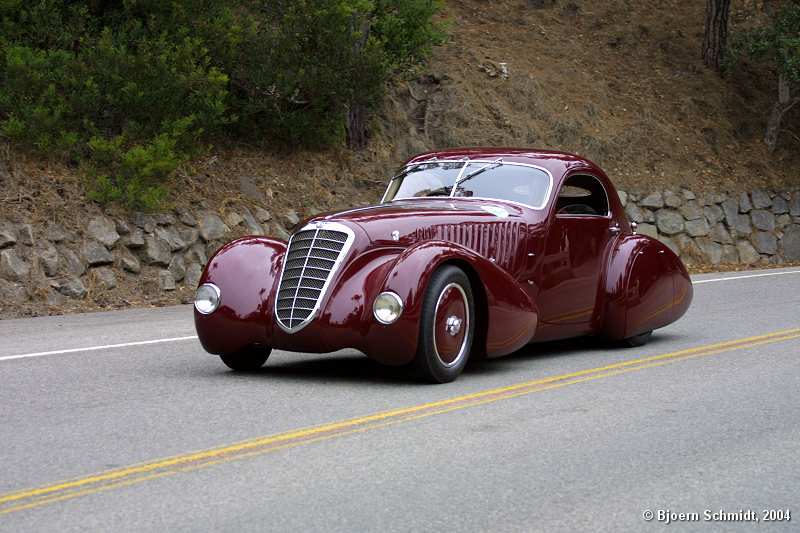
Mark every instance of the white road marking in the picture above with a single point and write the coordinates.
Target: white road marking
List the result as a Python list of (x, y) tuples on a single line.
[(95, 348), (746, 276), (194, 337)]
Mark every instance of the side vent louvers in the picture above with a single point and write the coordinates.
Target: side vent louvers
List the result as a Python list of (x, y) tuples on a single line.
[(313, 255)]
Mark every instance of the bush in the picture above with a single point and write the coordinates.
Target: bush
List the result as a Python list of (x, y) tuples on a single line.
[(133, 89)]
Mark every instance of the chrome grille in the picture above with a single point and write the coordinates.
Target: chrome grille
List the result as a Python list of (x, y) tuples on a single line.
[(312, 257)]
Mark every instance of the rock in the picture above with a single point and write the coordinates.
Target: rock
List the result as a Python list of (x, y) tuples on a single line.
[(741, 225), (779, 205), (155, 252), (122, 227), (13, 292), (103, 230), (105, 278), (747, 254), (135, 239), (744, 203), (166, 281), (51, 262), (174, 242), (73, 288), (253, 227), (721, 235), (671, 244), (669, 222), (729, 254), (653, 201), (164, 219), (689, 249), (760, 199), (178, 268), (634, 213), (790, 243), (25, 234), (196, 254), (130, 264), (189, 236), (186, 216), (97, 254), (8, 236), (75, 266), (211, 226), (781, 221), (233, 219), (731, 210), (794, 207), (765, 243), (54, 233), (262, 215), (672, 200), (712, 250), (279, 233), (696, 228), (289, 219), (193, 273), (13, 267), (689, 195), (647, 229), (713, 214), (691, 211), (145, 222), (623, 197), (763, 219)]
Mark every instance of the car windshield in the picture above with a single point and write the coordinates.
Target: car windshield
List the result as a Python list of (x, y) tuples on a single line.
[(490, 179)]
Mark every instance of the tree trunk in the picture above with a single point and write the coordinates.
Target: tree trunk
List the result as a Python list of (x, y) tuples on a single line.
[(716, 32), (356, 127), (784, 103)]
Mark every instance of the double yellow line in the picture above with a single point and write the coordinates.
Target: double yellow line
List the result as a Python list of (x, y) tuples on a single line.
[(128, 475)]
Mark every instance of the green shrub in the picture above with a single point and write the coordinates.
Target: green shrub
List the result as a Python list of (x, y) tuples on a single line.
[(133, 89)]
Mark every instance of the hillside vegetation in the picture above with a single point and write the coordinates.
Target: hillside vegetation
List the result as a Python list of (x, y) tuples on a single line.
[(618, 81)]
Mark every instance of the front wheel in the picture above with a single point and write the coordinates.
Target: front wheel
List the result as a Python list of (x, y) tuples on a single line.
[(250, 357), (446, 326)]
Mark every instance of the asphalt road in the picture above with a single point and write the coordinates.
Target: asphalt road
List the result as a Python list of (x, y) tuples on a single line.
[(120, 422)]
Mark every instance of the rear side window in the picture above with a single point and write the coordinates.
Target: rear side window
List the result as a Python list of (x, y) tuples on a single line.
[(582, 195)]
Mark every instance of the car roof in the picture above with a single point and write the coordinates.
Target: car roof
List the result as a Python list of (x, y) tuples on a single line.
[(557, 163)]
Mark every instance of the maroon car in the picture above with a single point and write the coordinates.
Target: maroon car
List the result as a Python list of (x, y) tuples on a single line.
[(471, 253)]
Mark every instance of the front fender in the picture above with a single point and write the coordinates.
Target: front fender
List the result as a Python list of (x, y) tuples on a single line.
[(505, 311), (246, 271)]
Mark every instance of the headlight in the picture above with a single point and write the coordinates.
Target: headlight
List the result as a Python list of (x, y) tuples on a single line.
[(206, 299), (387, 307)]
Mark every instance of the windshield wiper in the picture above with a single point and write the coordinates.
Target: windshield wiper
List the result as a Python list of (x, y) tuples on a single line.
[(459, 180)]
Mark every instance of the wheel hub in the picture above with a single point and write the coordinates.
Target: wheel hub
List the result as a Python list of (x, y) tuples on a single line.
[(453, 325)]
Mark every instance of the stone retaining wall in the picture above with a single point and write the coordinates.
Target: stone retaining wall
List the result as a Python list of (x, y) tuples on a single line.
[(749, 228), (169, 250)]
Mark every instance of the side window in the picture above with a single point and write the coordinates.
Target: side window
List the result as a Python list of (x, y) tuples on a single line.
[(582, 195)]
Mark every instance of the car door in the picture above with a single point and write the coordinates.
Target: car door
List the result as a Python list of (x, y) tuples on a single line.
[(578, 238)]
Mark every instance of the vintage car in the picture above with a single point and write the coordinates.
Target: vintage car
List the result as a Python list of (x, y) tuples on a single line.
[(472, 252)]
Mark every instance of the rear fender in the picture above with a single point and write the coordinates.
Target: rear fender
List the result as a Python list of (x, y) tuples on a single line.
[(646, 287), (246, 271)]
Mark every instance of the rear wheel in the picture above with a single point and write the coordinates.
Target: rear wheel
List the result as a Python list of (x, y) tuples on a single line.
[(250, 357), (638, 340), (446, 326)]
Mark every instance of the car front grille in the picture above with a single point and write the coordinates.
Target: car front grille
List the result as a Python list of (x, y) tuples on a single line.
[(313, 255)]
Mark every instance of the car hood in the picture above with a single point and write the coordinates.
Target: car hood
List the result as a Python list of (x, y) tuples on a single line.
[(492, 229)]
